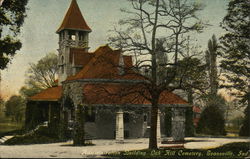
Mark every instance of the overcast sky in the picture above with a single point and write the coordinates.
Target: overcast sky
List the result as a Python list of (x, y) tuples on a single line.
[(44, 17)]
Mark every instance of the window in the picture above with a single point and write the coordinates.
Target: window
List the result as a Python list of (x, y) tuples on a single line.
[(145, 118), (62, 64), (81, 35), (61, 36), (72, 35)]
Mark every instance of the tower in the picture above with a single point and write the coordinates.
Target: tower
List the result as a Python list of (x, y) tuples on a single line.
[(73, 33)]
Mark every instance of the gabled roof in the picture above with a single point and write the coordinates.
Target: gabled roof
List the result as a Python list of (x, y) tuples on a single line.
[(49, 94), (79, 56), (105, 65), (74, 19)]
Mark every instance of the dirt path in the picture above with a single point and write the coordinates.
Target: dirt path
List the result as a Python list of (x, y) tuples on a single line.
[(64, 150)]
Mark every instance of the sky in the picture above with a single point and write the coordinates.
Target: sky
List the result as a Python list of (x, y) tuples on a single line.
[(45, 16)]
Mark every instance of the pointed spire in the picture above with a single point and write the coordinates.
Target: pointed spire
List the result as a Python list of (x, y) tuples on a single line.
[(74, 19)]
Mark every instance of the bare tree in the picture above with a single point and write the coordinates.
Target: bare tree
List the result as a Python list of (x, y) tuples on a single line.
[(40, 75), (43, 74), (155, 33)]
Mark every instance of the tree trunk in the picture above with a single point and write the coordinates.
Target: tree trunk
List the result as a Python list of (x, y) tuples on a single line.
[(213, 75), (63, 126), (190, 96), (79, 135), (154, 95), (153, 125)]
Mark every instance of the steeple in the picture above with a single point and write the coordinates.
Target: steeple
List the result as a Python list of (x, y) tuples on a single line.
[(73, 19), (73, 33)]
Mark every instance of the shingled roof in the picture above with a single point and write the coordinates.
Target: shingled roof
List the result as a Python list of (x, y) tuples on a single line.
[(105, 65), (74, 19), (79, 56), (124, 94), (49, 94)]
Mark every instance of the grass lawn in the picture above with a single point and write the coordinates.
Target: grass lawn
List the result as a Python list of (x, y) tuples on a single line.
[(7, 126), (229, 151)]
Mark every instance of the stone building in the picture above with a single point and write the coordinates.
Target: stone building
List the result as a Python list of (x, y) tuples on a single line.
[(101, 82)]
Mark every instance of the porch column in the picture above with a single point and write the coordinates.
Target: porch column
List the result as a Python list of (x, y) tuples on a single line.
[(178, 123), (159, 126), (49, 113), (119, 127)]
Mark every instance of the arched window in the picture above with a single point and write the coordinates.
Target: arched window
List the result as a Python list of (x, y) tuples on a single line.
[(81, 36), (72, 35)]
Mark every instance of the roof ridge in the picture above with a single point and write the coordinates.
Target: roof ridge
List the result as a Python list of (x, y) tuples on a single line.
[(93, 60)]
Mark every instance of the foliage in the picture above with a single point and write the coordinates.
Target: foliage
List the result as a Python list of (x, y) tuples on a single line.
[(8, 128), (39, 76), (236, 54), (212, 117), (15, 108), (42, 75), (34, 115), (29, 91), (79, 134), (216, 100), (155, 32), (235, 124), (211, 121), (64, 133), (12, 14), (1, 106), (236, 49), (211, 61), (192, 73), (245, 129), (40, 136)]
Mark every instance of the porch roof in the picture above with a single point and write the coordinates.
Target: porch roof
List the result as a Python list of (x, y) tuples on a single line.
[(49, 94)]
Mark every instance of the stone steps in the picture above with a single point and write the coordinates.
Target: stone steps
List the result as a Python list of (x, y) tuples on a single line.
[(5, 138)]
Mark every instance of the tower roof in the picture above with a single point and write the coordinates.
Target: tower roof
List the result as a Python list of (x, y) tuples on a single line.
[(74, 19)]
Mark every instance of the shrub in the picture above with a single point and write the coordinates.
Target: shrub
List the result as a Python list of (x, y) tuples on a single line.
[(245, 129), (42, 135), (211, 122)]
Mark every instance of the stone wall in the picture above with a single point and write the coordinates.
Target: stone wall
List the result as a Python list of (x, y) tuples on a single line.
[(135, 125), (74, 91), (105, 124), (178, 124)]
